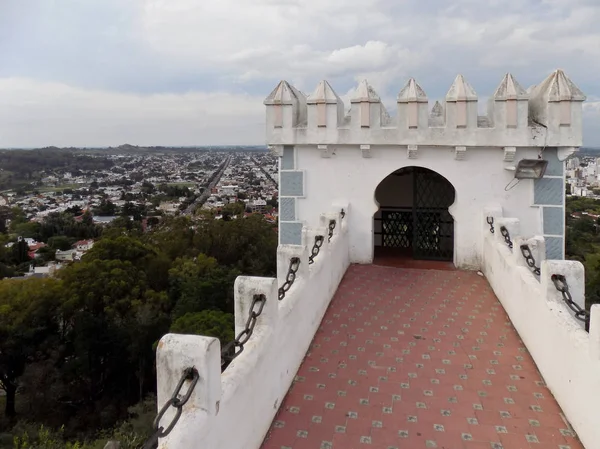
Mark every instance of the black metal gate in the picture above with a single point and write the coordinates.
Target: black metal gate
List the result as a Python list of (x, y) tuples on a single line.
[(426, 229)]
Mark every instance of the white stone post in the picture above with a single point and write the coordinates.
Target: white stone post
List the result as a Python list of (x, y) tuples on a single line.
[(245, 289), (537, 246), (594, 332), (512, 225), (309, 235), (174, 354), (574, 274), (413, 107), (510, 105), (285, 253)]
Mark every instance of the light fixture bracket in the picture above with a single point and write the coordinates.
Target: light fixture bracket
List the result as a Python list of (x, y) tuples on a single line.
[(531, 168)]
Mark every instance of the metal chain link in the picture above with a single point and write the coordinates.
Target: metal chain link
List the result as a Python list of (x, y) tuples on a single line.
[(290, 278), (175, 401), (331, 228), (560, 282), (528, 255), (490, 221), (342, 214), (234, 348), (314, 252), (506, 236)]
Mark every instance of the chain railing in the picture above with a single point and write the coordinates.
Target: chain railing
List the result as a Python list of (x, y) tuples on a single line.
[(331, 228), (234, 348), (177, 403), (560, 282), (490, 221), (290, 277), (314, 252), (528, 255), (342, 214), (506, 236)]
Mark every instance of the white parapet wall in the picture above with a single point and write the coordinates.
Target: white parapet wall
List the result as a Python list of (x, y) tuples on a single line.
[(566, 355), (234, 409)]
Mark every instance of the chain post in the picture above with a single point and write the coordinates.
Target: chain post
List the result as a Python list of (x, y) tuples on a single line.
[(176, 402), (528, 255), (331, 228), (234, 348), (560, 283), (290, 278), (506, 236), (314, 252), (490, 221)]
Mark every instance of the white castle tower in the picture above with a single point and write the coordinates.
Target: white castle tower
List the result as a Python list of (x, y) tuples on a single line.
[(417, 182)]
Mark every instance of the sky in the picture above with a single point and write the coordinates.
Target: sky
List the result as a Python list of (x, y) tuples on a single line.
[(195, 72)]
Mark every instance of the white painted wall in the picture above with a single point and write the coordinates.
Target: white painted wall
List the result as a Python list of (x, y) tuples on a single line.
[(479, 180), (566, 355), (234, 410)]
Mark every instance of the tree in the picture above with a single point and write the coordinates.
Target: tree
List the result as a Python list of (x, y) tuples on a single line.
[(212, 323), (28, 322)]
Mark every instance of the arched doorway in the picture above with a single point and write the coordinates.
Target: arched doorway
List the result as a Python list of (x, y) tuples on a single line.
[(413, 219)]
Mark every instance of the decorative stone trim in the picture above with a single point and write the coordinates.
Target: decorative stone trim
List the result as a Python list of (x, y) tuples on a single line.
[(509, 154), (366, 151), (411, 151), (325, 151), (460, 153)]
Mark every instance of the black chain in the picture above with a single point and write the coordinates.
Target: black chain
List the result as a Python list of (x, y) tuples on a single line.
[(490, 221), (342, 214), (331, 228), (290, 278), (560, 282), (234, 348), (190, 374), (506, 236), (528, 255), (316, 248)]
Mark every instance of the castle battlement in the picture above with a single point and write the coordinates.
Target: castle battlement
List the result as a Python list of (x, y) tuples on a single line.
[(548, 114)]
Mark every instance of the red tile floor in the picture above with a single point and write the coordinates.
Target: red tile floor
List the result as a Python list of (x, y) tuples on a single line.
[(414, 358)]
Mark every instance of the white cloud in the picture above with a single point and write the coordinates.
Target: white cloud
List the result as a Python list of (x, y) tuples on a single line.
[(150, 49), (35, 113)]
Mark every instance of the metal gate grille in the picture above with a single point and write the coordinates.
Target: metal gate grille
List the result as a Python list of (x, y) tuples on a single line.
[(427, 229), (397, 228), (433, 224)]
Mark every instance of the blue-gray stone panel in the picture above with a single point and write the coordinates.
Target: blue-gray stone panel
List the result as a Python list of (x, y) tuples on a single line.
[(290, 233), (287, 209), (554, 248), (291, 183), (287, 160), (549, 191), (554, 220), (555, 167)]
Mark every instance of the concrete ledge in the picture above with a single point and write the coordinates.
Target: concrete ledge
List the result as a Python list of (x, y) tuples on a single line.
[(566, 355), (235, 409)]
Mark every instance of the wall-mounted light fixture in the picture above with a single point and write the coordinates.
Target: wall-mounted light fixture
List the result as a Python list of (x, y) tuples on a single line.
[(531, 168)]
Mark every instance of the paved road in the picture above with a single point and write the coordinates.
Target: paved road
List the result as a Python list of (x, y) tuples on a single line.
[(204, 196)]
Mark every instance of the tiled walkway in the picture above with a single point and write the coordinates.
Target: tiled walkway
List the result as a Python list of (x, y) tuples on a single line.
[(409, 358)]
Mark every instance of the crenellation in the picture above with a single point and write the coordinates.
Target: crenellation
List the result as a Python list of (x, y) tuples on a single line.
[(413, 106), (325, 107), (548, 114)]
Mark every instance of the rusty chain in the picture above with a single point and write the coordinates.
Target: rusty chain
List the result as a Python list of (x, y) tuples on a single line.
[(314, 252), (331, 228), (290, 278), (506, 236), (528, 255), (490, 221), (560, 282), (234, 348), (176, 402)]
